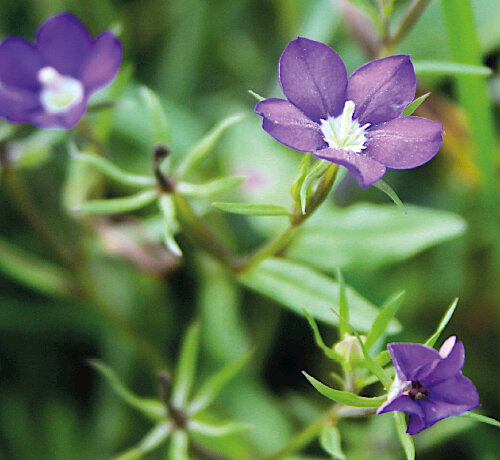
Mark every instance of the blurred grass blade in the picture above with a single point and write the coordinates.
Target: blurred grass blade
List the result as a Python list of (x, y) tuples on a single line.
[(179, 446), (330, 442), (208, 189), (157, 436), (152, 409), (214, 385), (406, 440), (344, 397), (389, 191), (159, 119), (446, 318), (118, 205), (328, 351), (250, 209), (186, 367), (343, 305), (481, 418), (205, 145), (387, 313), (256, 95), (450, 68), (167, 207), (371, 12), (34, 272), (218, 431), (415, 104), (110, 170)]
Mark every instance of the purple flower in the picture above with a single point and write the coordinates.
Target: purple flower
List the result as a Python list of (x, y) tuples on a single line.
[(49, 83), (355, 122), (429, 384)]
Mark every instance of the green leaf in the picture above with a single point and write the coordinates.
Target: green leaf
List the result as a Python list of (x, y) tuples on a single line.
[(302, 172), (383, 358), (215, 383), (446, 318), (205, 145), (118, 205), (297, 287), (415, 104), (343, 305), (34, 272), (110, 170), (481, 418), (167, 208), (157, 436), (367, 236), (450, 68), (371, 12), (217, 431), (389, 191), (208, 189), (179, 446), (152, 409), (251, 209), (328, 351), (330, 442), (387, 313), (159, 119), (186, 367), (344, 397), (256, 95), (406, 440)]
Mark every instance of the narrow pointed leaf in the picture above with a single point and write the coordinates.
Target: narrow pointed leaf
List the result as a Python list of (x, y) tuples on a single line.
[(152, 409), (389, 191), (110, 170), (167, 207), (250, 209), (302, 172), (206, 144), (446, 318), (405, 438), (256, 95), (450, 68), (415, 104), (328, 351), (119, 205), (344, 397), (218, 431), (370, 11), (330, 441), (214, 385), (159, 119), (343, 305), (211, 188), (157, 436), (481, 418), (383, 358), (314, 173), (179, 446), (383, 319), (186, 367)]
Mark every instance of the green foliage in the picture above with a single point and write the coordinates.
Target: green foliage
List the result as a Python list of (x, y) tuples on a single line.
[(118, 205), (415, 104), (450, 68), (443, 323), (330, 441), (252, 209), (406, 440)]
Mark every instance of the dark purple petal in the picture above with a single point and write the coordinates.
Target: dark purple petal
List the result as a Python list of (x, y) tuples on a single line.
[(20, 62), (60, 121), (288, 125), (447, 367), (405, 142), (382, 89), (64, 42), (415, 424), (402, 403), (16, 104), (413, 361), (102, 63), (313, 77), (366, 170)]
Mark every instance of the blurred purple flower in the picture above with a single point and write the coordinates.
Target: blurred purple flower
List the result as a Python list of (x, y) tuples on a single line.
[(355, 122), (429, 384), (49, 83)]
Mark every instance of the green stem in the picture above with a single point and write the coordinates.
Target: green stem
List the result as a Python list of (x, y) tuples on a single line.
[(409, 19)]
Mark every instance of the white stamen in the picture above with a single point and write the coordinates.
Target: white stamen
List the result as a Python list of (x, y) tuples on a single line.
[(59, 92)]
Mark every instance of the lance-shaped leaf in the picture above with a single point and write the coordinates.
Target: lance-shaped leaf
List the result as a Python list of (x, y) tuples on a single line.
[(186, 366), (205, 145), (330, 441), (250, 209), (371, 12), (344, 397), (209, 391), (110, 170), (157, 436), (159, 119), (152, 409), (389, 191), (383, 358), (405, 438), (167, 208), (481, 418), (256, 95), (387, 313), (328, 351), (211, 188), (302, 172), (218, 431), (179, 446), (450, 68), (446, 318), (415, 104), (119, 205)]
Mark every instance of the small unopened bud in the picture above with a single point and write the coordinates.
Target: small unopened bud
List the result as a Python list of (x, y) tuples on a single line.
[(350, 349)]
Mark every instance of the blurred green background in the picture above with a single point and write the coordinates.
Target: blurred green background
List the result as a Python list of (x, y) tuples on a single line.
[(134, 299)]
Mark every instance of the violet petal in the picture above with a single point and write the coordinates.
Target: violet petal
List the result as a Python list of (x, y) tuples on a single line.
[(405, 142), (64, 42), (413, 361), (102, 63), (402, 403), (17, 104), (447, 367), (366, 170), (415, 424), (313, 77), (382, 89), (288, 125), (20, 62)]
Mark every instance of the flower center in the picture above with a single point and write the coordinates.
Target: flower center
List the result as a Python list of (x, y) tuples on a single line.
[(59, 92), (343, 132), (417, 391)]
